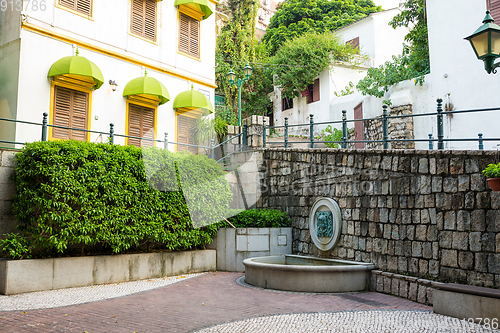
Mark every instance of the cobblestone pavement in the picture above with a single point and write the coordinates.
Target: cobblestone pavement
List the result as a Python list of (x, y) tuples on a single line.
[(351, 321), (208, 300), (71, 296)]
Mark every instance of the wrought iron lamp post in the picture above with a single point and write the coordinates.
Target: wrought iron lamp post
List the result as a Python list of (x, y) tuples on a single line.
[(486, 43), (232, 79)]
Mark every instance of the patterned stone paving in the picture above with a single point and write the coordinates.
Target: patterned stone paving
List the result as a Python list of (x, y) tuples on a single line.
[(72, 296), (352, 321), (207, 300)]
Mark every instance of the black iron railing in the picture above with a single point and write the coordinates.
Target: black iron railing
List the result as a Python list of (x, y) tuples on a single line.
[(385, 129), (111, 136)]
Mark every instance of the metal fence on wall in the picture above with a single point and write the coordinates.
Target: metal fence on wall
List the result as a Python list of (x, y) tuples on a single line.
[(385, 129), (111, 136)]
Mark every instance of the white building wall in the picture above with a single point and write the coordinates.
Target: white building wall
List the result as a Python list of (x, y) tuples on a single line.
[(39, 51), (377, 40)]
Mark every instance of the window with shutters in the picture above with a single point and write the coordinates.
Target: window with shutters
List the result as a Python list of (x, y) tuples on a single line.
[(184, 125), (71, 109), (189, 36), (80, 7), (143, 19), (141, 125), (312, 92), (354, 43), (286, 103), (494, 8)]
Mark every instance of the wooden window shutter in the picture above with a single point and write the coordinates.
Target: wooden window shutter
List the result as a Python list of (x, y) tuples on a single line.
[(315, 91), (141, 121), (80, 6), (184, 125), (70, 110), (143, 20), (189, 36), (354, 43), (494, 8)]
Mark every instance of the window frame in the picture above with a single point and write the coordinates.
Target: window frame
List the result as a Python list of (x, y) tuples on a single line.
[(285, 99), (144, 104), (157, 31), (193, 16), (310, 94), (494, 11), (189, 113), (52, 106), (92, 8)]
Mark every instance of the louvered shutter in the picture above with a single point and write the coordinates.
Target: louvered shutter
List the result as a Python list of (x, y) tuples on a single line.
[(354, 43), (315, 91), (184, 125), (141, 125), (184, 33), (494, 8), (70, 110), (81, 6), (143, 20), (194, 38), (189, 35)]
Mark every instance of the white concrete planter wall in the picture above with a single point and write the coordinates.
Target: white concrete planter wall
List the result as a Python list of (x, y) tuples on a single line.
[(20, 276), (235, 245)]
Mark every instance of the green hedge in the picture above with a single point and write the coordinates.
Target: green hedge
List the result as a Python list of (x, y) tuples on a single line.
[(77, 194), (264, 218)]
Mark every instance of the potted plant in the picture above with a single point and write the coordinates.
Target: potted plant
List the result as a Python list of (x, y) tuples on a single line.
[(492, 174)]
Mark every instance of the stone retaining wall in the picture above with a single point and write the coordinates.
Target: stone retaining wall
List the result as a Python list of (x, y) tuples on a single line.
[(7, 191), (399, 128), (426, 214), (409, 287)]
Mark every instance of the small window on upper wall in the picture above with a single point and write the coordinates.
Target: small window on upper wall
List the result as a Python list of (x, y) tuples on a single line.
[(312, 92), (354, 43), (143, 19), (286, 103), (494, 8), (189, 36), (82, 7)]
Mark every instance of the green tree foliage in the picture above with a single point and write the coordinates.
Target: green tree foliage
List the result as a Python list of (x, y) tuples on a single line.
[(413, 63), (99, 195), (236, 46), (306, 57), (296, 17)]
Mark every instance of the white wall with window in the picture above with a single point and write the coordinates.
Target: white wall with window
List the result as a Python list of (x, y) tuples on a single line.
[(122, 38)]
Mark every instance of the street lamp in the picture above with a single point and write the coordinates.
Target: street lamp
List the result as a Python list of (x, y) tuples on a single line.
[(486, 43), (231, 76)]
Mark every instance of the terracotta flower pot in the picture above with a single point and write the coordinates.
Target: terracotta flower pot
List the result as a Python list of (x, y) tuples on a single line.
[(494, 183)]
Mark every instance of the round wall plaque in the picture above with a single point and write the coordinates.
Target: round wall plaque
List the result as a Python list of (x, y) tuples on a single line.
[(325, 223)]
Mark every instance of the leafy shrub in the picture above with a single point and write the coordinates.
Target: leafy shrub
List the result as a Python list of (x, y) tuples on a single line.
[(330, 134), (75, 194), (263, 218), (492, 171)]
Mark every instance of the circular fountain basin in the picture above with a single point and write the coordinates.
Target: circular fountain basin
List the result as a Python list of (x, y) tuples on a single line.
[(307, 274)]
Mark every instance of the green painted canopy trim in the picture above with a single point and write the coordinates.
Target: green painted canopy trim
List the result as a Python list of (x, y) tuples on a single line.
[(193, 99), (205, 6), (147, 86), (77, 65)]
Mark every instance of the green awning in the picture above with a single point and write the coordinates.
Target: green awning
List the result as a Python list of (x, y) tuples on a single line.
[(193, 100), (76, 65), (204, 6), (147, 86)]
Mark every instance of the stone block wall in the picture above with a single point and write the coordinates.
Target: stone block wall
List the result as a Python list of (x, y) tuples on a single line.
[(399, 128), (426, 214), (7, 191)]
